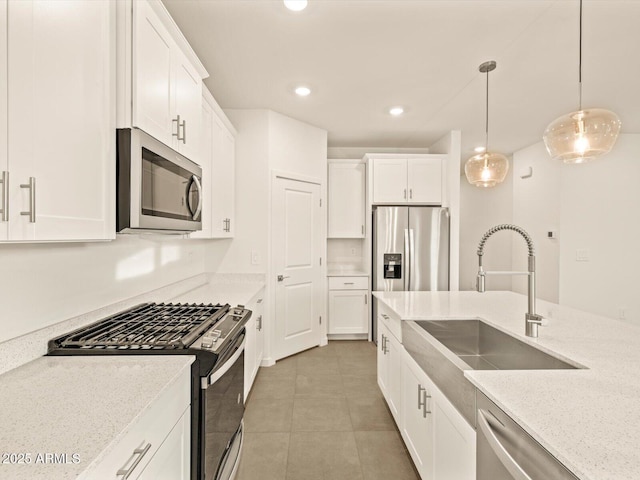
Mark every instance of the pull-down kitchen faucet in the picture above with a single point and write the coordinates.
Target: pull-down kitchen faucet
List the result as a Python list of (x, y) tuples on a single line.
[(532, 320)]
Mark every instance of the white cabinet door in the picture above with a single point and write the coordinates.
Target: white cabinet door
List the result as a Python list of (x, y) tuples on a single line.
[(389, 180), (223, 169), (249, 355), (417, 430), (4, 168), (454, 453), (348, 311), (424, 176), (172, 461), (394, 377), (188, 106), (346, 205), (153, 50), (382, 363), (206, 159), (61, 113)]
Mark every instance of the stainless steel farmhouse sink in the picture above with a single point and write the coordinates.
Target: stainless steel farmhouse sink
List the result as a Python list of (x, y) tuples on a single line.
[(445, 349), (484, 347)]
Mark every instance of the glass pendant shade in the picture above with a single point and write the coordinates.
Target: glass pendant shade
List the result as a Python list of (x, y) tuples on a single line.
[(582, 136), (486, 169)]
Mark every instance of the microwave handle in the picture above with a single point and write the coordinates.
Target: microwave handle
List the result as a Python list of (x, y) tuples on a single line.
[(199, 187), (194, 181)]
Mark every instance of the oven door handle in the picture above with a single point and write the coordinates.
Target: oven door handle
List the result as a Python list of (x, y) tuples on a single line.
[(218, 373)]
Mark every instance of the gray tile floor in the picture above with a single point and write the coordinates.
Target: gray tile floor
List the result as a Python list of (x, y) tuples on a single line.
[(320, 415)]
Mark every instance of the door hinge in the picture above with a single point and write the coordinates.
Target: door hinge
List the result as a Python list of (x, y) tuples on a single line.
[(320, 318)]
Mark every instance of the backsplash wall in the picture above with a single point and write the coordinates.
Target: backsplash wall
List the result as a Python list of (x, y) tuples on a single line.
[(43, 284)]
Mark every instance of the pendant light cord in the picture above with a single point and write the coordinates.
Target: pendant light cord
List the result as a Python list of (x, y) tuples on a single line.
[(486, 119), (580, 62)]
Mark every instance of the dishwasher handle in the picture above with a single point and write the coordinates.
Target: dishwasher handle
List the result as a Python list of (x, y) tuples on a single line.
[(501, 453)]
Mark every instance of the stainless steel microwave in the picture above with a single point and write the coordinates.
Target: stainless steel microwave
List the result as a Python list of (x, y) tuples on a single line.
[(157, 188)]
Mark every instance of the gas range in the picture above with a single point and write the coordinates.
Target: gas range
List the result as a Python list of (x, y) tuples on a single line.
[(215, 335)]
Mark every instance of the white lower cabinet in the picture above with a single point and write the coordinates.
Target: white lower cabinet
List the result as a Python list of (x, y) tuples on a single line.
[(348, 305), (254, 346), (440, 441), (158, 445), (390, 369)]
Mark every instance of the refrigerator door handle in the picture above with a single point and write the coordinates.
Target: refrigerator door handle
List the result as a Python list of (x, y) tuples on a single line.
[(407, 260), (411, 260)]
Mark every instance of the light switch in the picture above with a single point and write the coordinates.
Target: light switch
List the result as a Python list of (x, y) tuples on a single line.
[(255, 258)]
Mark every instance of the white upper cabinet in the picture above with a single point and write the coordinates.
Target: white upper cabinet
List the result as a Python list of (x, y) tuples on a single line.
[(57, 77), (217, 158), (346, 208), (413, 179), (424, 180), (160, 80)]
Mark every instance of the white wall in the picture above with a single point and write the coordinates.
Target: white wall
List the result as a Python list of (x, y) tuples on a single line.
[(536, 208), (594, 207), (481, 209), (43, 284)]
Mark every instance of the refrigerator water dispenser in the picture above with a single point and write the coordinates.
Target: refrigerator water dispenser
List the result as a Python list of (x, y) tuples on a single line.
[(392, 265)]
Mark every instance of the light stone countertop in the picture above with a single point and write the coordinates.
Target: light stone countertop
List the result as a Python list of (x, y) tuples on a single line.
[(339, 270), (590, 418), (77, 405), (234, 289)]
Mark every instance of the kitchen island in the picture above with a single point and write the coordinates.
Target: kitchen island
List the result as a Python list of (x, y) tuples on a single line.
[(588, 418)]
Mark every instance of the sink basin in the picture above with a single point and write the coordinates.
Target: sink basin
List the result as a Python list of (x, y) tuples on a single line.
[(483, 347)]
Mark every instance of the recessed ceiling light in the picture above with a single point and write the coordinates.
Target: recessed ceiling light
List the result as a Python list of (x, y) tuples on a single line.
[(479, 149), (295, 5), (303, 91), (395, 111)]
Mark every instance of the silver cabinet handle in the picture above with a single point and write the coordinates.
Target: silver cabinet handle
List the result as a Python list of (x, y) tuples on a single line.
[(411, 193), (32, 199), (362, 229), (5, 197), (140, 452), (386, 317), (503, 455), (282, 277), (179, 125), (366, 301), (259, 300), (228, 225), (382, 342), (421, 399), (405, 193), (259, 323), (348, 283)]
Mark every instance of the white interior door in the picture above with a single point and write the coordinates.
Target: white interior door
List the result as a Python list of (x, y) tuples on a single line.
[(296, 252)]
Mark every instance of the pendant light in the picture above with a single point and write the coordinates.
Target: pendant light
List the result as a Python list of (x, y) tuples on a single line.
[(487, 169), (583, 135)]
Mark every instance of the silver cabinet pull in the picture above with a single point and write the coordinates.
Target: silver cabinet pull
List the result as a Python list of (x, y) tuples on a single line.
[(140, 452), (348, 283), (259, 300), (259, 323), (382, 342), (365, 299), (5, 197), (421, 399), (228, 225), (32, 199), (179, 125), (405, 193), (362, 229), (411, 193), (282, 277)]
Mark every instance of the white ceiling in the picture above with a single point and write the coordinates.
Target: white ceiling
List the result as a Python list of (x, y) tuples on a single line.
[(361, 57)]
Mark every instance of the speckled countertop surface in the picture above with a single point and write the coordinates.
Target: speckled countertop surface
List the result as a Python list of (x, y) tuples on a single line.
[(589, 419), (234, 289), (76, 405)]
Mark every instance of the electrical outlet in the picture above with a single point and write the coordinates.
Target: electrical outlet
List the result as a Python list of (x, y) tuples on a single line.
[(582, 255), (255, 258)]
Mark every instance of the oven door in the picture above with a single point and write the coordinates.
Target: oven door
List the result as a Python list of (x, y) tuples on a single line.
[(222, 409), (158, 189)]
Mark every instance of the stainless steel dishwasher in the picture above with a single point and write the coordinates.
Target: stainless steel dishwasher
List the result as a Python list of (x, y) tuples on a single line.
[(506, 452)]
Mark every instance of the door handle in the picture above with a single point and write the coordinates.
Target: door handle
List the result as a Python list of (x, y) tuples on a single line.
[(282, 277)]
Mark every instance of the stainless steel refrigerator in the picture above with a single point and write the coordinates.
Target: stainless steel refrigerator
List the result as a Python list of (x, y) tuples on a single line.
[(410, 251)]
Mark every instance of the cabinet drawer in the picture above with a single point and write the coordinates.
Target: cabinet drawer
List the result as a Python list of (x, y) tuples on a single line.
[(390, 319), (146, 434), (348, 283)]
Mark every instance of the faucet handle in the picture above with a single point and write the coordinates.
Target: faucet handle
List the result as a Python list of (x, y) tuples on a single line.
[(534, 318)]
